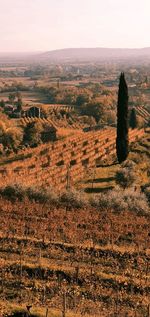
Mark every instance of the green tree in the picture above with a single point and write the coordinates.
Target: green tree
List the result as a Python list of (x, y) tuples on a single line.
[(32, 133), (52, 95), (12, 137), (81, 100), (12, 98), (68, 99), (122, 141), (133, 119), (2, 103), (19, 104), (94, 110)]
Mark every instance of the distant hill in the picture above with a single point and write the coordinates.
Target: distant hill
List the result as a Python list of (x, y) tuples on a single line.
[(95, 53), (78, 54)]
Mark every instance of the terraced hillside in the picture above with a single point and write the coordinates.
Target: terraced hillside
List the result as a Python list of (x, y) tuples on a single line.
[(75, 258), (56, 163), (55, 120), (102, 177)]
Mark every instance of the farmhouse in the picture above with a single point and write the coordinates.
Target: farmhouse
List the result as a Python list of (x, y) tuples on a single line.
[(9, 109), (16, 114), (12, 111), (34, 112)]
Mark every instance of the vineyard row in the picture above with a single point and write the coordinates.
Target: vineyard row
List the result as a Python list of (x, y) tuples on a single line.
[(54, 163)]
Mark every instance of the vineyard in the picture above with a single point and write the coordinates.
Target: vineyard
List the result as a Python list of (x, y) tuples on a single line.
[(55, 119), (143, 113), (74, 262), (62, 161), (73, 258)]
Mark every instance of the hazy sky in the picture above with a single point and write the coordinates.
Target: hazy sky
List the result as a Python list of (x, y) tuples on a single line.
[(29, 25)]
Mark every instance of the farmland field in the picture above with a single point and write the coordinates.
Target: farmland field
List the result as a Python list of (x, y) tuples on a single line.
[(88, 260), (100, 260)]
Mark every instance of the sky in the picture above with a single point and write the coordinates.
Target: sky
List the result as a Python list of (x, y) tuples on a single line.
[(43, 25)]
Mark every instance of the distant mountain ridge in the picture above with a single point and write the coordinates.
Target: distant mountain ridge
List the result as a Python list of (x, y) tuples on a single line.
[(95, 53), (77, 54)]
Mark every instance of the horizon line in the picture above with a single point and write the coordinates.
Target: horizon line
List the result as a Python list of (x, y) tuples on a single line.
[(66, 48)]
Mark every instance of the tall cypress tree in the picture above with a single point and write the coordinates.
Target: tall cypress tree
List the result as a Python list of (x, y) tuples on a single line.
[(122, 142)]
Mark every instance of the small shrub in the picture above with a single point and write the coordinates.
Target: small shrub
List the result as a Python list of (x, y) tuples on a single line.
[(18, 192), (42, 195), (22, 313), (13, 192), (120, 200), (136, 201), (112, 200), (126, 177), (74, 199)]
